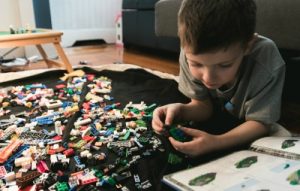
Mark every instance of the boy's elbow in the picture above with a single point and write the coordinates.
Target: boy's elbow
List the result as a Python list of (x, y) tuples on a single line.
[(266, 129)]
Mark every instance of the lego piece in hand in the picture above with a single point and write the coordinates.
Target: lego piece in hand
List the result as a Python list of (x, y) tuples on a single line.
[(166, 129), (176, 133)]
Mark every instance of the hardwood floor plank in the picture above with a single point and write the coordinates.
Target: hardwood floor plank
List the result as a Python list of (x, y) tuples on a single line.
[(108, 53)]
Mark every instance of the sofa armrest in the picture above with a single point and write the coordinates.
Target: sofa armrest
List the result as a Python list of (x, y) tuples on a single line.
[(166, 17)]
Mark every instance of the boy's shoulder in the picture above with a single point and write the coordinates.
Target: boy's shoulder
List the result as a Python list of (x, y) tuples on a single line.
[(266, 54), (264, 43)]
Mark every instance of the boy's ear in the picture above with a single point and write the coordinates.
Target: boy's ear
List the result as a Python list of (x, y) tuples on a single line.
[(250, 44)]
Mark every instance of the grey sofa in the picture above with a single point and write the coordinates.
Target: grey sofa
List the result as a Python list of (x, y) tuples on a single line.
[(138, 27)]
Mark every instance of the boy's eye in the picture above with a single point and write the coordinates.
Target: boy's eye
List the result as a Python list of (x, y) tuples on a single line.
[(225, 65), (193, 64)]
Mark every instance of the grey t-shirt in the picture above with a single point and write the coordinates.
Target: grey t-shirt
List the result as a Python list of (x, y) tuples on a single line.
[(256, 94)]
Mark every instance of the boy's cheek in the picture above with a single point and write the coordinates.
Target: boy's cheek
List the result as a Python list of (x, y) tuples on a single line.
[(196, 75)]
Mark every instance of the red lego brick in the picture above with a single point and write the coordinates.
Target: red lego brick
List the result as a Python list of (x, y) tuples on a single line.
[(42, 167), (88, 138), (60, 86), (88, 180), (69, 152)]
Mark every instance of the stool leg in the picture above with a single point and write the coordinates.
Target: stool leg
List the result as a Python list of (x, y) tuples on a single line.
[(44, 55), (63, 57)]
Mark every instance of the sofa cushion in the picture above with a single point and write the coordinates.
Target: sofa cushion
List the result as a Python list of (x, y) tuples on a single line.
[(166, 17), (139, 4), (129, 4)]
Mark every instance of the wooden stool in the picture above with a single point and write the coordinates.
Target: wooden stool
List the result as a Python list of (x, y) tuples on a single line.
[(41, 36)]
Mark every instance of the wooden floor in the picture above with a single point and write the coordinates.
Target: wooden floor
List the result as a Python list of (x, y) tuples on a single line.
[(161, 61), (108, 54)]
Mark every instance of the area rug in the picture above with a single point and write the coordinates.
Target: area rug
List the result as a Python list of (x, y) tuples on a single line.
[(4, 77)]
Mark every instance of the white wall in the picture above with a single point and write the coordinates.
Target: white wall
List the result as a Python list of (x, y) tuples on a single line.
[(78, 20), (9, 11), (27, 18), (85, 20), (26, 13), (10, 15)]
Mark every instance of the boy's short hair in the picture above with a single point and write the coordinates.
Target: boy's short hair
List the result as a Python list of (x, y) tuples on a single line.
[(209, 25)]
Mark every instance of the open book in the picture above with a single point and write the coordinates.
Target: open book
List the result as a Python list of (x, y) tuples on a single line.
[(271, 163)]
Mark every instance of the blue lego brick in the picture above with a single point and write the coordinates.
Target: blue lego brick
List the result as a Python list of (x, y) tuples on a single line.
[(20, 96), (35, 86), (78, 92), (16, 155), (94, 131), (43, 121), (109, 132), (78, 163), (66, 104), (77, 160)]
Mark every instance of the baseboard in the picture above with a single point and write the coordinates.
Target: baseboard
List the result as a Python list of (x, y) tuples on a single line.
[(70, 36)]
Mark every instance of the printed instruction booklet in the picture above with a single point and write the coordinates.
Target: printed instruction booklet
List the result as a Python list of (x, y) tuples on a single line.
[(271, 163)]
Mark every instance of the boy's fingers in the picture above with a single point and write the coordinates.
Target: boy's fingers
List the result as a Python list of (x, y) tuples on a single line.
[(157, 127), (156, 116), (157, 124), (179, 146), (169, 118), (176, 144), (190, 131)]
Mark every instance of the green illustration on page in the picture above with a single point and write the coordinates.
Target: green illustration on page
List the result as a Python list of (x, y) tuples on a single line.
[(203, 179), (246, 162), (288, 143)]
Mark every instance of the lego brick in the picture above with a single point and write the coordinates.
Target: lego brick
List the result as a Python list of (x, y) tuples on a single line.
[(27, 179), (2, 171)]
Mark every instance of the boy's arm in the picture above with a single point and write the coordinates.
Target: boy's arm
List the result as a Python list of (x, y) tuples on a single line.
[(197, 110), (244, 133)]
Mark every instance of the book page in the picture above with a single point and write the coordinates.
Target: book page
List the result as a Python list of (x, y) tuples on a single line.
[(239, 171), (288, 147)]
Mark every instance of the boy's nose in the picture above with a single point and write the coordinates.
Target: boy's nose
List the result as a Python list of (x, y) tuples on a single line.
[(208, 76)]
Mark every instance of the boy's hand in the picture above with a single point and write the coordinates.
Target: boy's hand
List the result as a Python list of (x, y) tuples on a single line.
[(165, 116), (201, 142)]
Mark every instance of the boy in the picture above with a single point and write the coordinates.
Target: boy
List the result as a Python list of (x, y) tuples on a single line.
[(224, 66)]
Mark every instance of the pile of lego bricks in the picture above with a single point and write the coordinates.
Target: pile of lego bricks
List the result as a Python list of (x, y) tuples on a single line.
[(88, 130)]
